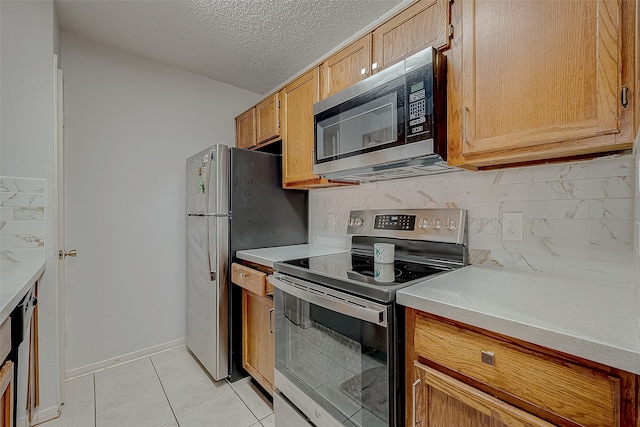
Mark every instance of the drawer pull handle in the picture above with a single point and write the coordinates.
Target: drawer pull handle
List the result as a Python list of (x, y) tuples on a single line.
[(487, 357), (272, 321)]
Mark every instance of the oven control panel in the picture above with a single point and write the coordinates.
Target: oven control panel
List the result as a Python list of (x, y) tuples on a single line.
[(444, 225), (394, 222)]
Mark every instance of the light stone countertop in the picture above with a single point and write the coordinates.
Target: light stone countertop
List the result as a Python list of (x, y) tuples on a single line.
[(593, 320), (15, 281), (267, 256)]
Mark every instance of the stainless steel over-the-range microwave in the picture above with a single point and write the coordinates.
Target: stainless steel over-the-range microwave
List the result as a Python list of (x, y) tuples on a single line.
[(390, 125)]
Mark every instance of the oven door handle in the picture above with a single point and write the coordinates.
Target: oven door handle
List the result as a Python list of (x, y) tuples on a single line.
[(330, 299)]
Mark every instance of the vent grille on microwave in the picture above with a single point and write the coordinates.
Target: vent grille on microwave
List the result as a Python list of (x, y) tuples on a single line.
[(394, 173)]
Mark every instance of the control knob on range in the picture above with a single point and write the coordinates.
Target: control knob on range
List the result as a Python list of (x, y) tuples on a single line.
[(451, 225), (355, 222), (424, 224), (437, 224)]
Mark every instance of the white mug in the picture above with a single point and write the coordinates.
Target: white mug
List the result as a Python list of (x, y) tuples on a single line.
[(383, 253), (383, 272)]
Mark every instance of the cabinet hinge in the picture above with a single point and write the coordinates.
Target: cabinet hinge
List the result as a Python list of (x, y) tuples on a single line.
[(624, 96), (450, 31)]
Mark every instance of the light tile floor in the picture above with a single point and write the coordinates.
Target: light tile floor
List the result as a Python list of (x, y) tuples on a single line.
[(168, 389)]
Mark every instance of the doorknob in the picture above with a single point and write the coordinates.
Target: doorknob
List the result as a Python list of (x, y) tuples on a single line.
[(64, 254)]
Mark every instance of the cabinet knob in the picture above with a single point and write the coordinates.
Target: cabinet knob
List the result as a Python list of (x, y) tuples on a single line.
[(374, 66), (363, 72), (488, 357)]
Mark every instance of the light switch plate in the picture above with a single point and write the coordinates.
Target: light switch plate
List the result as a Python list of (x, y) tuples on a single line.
[(331, 222), (512, 228)]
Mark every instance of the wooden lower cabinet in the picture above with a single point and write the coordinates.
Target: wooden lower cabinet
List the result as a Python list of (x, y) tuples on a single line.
[(6, 395), (460, 375), (258, 346), (444, 401)]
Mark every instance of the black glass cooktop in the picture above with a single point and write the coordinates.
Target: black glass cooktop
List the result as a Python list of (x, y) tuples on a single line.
[(358, 274)]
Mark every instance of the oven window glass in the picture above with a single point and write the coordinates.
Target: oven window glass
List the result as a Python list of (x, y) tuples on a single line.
[(338, 361)]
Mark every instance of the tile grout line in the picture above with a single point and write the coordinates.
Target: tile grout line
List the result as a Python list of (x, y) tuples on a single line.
[(249, 384), (164, 391)]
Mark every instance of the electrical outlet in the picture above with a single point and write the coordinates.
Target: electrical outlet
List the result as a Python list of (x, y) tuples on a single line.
[(512, 226), (331, 222)]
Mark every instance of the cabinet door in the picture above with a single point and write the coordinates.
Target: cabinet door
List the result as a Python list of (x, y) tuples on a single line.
[(246, 129), (298, 135), (442, 401), (346, 67), (539, 72), (267, 119), (258, 346), (6, 395), (426, 23)]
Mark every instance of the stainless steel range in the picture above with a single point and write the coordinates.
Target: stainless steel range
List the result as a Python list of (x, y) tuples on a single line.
[(339, 336)]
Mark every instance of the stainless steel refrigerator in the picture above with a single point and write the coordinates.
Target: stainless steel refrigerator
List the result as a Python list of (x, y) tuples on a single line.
[(235, 201)]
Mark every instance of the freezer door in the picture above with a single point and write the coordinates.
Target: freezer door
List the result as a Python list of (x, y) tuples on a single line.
[(207, 182), (197, 178), (218, 179), (207, 292)]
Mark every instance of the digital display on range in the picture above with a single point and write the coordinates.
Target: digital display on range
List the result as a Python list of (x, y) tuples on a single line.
[(395, 222)]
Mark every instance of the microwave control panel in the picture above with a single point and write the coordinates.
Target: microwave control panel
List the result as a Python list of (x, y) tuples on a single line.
[(420, 93)]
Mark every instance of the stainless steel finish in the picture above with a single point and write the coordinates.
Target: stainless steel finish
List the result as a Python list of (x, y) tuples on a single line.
[(405, 160), (218, 192), (385, 76), (63, 254), (316, 414), (330, 299), (438, 225), (413, 398), (287, 415), (488, 357)]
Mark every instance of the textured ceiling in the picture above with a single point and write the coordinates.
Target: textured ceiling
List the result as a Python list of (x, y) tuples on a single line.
[(252, 44)]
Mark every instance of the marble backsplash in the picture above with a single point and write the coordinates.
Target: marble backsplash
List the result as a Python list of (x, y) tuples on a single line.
[(578, 216), (21, 218)]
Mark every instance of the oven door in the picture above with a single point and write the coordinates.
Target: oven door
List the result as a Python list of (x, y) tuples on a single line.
[(333, 354)]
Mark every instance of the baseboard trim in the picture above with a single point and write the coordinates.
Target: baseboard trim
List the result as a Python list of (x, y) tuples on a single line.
[(94, 367), (40, 416)]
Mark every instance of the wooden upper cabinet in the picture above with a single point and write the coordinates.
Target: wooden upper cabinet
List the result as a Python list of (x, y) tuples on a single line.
[(246, 129), (540, 80), (298, 135), (423, 24), (348, 66), (268, 119)]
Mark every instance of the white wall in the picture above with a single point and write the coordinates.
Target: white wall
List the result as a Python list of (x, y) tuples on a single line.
[(26, 150), (130, 123), (578, 216)]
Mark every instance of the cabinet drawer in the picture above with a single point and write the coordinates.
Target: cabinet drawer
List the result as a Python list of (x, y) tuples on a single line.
[(5, 339), (252, 280), (586, 396)]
